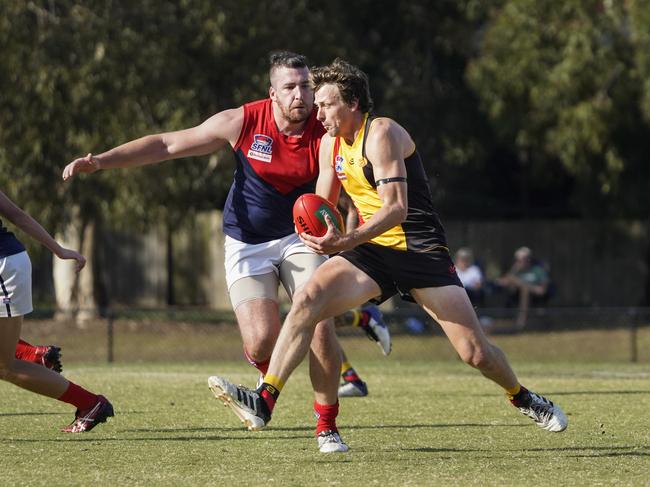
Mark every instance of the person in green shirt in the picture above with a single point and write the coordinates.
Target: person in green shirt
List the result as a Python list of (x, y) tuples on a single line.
[(527, 280)]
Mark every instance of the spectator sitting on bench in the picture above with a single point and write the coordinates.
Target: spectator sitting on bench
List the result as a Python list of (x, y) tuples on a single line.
[(470, 275), (528, 283)]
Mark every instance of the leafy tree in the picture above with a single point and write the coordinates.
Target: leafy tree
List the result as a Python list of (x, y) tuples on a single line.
[(559, 83), (78, 77), (518, 107)]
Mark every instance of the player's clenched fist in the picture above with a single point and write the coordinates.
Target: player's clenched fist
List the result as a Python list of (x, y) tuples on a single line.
[(87, 164)]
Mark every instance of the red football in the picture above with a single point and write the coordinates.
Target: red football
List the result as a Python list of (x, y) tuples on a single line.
[(309, 213)]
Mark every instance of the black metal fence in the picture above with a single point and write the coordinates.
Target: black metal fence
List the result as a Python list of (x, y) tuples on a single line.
[(183, 335)]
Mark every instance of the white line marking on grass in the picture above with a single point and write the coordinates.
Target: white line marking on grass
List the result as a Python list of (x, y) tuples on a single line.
[(621, 375), (161, 374)]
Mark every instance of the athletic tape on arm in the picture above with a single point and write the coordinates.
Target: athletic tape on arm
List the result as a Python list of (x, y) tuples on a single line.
[(390, 180)]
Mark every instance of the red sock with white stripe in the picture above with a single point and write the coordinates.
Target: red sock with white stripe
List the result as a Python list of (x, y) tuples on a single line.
[(326, 417), (25, 351)]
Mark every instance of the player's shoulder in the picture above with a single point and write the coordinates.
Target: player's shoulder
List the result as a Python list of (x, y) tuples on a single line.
[(232, 114), (257, 109), (386, 130), (257, 104), (382, 126), (226, 124)]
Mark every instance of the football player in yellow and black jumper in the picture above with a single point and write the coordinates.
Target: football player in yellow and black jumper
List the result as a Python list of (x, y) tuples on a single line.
[(399, 247)]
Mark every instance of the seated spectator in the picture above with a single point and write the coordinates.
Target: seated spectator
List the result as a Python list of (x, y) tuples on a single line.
[(470, 275), (528, 281)]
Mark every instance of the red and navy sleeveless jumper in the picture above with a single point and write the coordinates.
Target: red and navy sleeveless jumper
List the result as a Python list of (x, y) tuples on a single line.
[(273, 170), (9, 245)]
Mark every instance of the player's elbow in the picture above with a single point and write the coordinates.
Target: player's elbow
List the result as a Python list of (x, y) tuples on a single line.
[(166, 146), (399, 211)]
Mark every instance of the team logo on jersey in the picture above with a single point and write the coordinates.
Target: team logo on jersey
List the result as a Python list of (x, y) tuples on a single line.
[(361, 162), (261, 148), (338, 167)]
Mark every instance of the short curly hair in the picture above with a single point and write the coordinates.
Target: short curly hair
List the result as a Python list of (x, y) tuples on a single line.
[(351, 81)]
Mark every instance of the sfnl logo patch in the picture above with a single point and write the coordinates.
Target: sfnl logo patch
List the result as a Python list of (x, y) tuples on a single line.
[(261, 148)]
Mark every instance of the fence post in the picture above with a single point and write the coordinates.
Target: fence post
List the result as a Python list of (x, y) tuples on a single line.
[(634, 342), (110, 340)]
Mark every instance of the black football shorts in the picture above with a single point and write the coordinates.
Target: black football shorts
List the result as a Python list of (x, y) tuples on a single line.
[(399, 271)]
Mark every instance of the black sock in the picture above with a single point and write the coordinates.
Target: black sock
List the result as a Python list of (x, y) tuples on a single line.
[(269, 395)]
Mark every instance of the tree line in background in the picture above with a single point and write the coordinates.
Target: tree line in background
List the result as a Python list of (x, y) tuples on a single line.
[(520, 108)]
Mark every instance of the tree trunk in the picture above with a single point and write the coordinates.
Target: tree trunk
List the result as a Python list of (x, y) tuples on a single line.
[(75, 293)]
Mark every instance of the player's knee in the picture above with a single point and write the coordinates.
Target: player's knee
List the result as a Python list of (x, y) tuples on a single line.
[(325, 333), (305, 303), (260, 351), (259, 344)]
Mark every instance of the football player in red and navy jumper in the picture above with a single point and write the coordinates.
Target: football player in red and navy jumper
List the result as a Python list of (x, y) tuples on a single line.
[(16, 292)]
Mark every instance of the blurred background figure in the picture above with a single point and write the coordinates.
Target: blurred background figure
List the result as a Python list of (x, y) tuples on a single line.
[(527, 283), (470, 275)]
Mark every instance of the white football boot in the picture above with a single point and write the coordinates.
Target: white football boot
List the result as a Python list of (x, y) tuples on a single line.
[(546, 415), (248, 405), (353, 389), (331, 442), (377, 330)]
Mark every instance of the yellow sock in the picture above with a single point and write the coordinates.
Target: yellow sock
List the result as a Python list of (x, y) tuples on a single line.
[(513, 391), (345, 366), (356, 317), (274, 381)]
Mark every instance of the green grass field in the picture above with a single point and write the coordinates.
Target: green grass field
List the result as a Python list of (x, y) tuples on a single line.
[(424, 423)]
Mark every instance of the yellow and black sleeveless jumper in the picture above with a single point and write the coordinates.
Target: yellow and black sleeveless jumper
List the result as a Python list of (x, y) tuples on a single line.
[(422, 230)]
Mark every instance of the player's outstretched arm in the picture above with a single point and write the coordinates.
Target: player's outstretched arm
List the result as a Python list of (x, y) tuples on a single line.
[(213, 134), (31, 227)]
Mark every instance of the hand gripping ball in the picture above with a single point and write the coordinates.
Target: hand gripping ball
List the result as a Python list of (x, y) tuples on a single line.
[(309, 213)]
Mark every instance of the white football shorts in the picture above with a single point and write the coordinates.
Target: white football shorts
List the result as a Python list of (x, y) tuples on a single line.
[(256, 270), (15, 285)]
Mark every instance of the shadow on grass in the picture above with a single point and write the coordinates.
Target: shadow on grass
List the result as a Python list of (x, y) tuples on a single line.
[(308, 430), (128, 439), (550, 394), (34, 414), (589, 451), (597, 393), (41, 413), (439, 425), (237, 433), (348, 427)]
